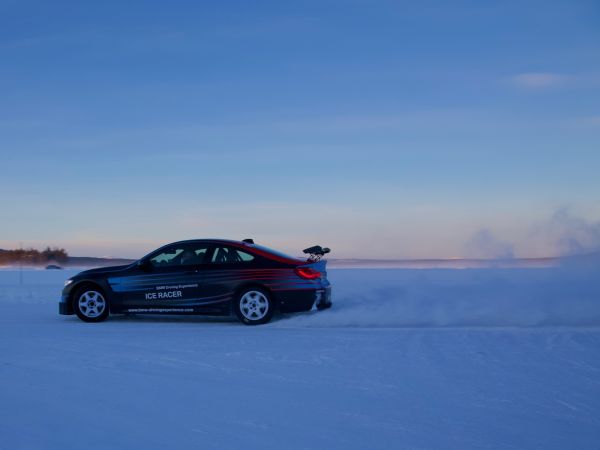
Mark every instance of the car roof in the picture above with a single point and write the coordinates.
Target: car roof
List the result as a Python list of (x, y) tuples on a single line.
[(260, 250), (211, 240)]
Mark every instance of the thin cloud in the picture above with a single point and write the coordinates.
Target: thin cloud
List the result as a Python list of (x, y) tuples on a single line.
[(592, 121)]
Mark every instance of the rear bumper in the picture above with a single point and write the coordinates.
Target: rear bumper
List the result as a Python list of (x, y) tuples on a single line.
[(324, 301), (323, 298), (304, 299)]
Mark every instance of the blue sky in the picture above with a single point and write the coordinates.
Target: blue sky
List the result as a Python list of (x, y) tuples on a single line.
[(382, 129)]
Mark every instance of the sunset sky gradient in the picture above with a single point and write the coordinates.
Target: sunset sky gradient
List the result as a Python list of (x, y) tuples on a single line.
[(382, 129)]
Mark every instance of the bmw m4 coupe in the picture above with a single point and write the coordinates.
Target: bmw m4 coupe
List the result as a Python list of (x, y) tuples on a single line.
[(205, 276)]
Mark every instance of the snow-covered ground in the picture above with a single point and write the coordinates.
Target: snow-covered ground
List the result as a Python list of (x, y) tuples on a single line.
[(406, 359)]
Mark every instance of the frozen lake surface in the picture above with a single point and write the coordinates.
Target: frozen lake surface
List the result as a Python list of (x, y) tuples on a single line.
[(419, 359)]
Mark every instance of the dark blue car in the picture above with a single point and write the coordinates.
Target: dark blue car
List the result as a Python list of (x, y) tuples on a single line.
[(204, 276)]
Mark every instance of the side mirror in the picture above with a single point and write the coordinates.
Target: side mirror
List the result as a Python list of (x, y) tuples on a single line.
[(144, 264)]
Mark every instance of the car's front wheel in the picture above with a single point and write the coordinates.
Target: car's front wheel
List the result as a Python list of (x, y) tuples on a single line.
[(254, 306), (90, 304)]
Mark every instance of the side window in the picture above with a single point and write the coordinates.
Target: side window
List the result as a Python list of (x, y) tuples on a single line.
[(180, 255), (223, 255), (167, 258)]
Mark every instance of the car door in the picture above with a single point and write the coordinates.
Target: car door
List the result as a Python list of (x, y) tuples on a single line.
[(227, 268), (169, 280)]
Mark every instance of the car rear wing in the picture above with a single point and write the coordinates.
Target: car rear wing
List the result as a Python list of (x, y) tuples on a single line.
[(316, 252)]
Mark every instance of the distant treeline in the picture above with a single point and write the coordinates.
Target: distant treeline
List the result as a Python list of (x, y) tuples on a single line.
[(32, 256)]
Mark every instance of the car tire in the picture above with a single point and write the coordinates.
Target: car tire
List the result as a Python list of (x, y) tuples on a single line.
[(253, 306), (90, 304)]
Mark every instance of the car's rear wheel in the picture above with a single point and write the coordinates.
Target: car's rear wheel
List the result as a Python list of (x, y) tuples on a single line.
[(254, 306), (90, 304)]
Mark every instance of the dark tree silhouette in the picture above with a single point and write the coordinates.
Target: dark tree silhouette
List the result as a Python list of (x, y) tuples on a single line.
[(32, 256)]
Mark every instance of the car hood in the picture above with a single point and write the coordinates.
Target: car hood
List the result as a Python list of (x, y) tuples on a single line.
[(102, 270)]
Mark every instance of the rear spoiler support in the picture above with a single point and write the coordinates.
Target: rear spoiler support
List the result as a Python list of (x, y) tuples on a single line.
[(316, 252)]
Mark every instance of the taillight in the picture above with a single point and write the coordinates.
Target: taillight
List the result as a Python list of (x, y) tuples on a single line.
[(307, 273)]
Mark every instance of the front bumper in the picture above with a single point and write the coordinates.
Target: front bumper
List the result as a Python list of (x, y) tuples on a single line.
[(65, 307)]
